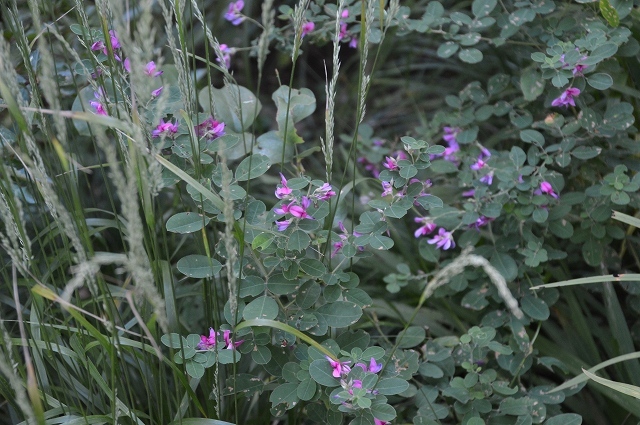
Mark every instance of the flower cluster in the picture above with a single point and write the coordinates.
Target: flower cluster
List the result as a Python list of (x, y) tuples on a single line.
[(165, 129), (344, 237), (234, 12), (297, 207), (209, 342), (481, 162), (210, 129), (450, 137), (344, 35), (567, 97)]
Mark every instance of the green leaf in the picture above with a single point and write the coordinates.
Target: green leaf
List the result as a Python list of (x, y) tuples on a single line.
[(414, 335), (186, 222), (534, 307), (173, 340), (531, 83), (194, 369), (312, 267), (286, 394), (308, 294), (609, 13), (380, 242), (322, 372), (298, 241), (199, 266), (482, 8), (392, 386), (515, 407), (471, 55), (306, 389), (565, 419), (292, 105), (340, 314), (263, 307), (532, 136), (448, 49), (592, 251), (586, 152), (235, 105), (383, 412), (279, 285), (252, 166), (600, 81), (505, 264)]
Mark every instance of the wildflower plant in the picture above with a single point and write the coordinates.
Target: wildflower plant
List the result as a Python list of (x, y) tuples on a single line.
[(181, 238)]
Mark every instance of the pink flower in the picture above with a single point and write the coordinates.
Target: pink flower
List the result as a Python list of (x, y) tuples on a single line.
[(282, 225), (353, 43), (469, 193), (478, 165), (374, 367), (234, 14), (345, 14), (324, 192), (210, 128), (482, 221), (545, 187), (442, 240), (98, 107), (165, 128), (209, 342), (307, 27), (157, 91), (343, 31), (390, 163), (115, 43), (151, 70), (567, 97), (284, 191), (487, 178), (339, 368), (450, 134), (377, 421), (229, 344), (127, 64), (284, 208), (427, 227), (226, 55), (300, 211), (387, 189), (99, 45)]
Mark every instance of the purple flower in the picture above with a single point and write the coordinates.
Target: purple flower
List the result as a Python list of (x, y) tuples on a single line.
[(442, 240), (427, 227), (353, 43), (387, 189), (151, 70), (487, 178), (300, 211), (377, 421), (208, 342), (482, 221), (97, 104), (478, 164), (450, 134), (374, 367), (324, 192), (234, 14), (282, 225), (229, 344), (345, 14), (343, 31), (127, 64), (226, 55), (115, 43), (99, 45), (567, 97), (157, 91), (339, 368), (284, 191), (390, 163), (469, 193), (545, 187), (307, 27), (210, 128), (165, 128)]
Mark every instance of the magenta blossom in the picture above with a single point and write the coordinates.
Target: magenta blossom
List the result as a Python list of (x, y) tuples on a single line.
[(152, 70), (300, 211), (156, 92), (567, 97), (377, 421), (282, 225), (353, 43), (210, 128), (390, 163), (339, 368), (99, 45), (226, 55), (427, 227), (443, 240), (373, 366), (387, 189), (337, 246), (97, 104), (307, 27), (126, 63), (487, 178), (450, 134), (545, 187), (324, 192), (234, 14), (115, 43), (165, 129), (208, 342), (284, 191), (482, 221), (229, 344)]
